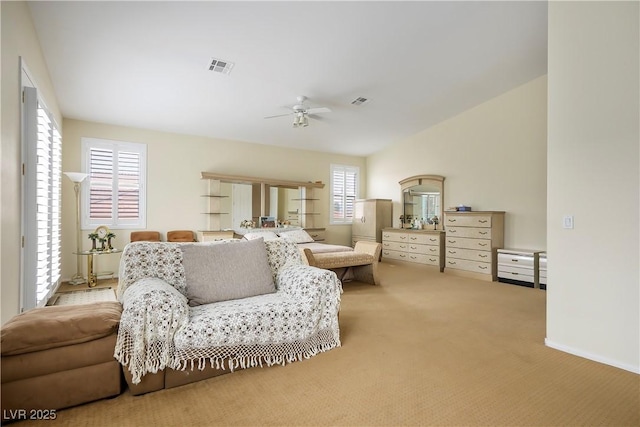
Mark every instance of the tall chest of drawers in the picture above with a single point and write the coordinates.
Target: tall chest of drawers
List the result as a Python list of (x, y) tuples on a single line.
[(471, 242)]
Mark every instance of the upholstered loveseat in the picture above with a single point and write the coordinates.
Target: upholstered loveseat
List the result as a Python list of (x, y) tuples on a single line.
[(193, 311)]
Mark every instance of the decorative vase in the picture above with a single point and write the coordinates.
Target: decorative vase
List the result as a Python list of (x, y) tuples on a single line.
[(109, 243), (93, 244)]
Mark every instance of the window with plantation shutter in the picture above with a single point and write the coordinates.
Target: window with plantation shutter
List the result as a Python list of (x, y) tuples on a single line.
[(42, 160), (344, 192), (114, 194)]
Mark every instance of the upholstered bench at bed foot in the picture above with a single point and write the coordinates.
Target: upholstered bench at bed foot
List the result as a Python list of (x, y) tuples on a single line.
[(60, 356), (361, 264)]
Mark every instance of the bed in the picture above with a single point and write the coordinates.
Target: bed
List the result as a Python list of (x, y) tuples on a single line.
[(300, 236)]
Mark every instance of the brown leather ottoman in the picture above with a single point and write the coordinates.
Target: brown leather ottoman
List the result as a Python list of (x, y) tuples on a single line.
[(59, 356)]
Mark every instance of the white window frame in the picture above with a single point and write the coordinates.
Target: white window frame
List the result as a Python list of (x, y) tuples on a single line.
[(344, 171), (116, 147), (41, 256)]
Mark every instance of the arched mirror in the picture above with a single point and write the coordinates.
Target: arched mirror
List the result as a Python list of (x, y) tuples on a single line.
[(422, 198)]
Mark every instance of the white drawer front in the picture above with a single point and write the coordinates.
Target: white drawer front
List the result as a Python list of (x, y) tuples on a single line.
[(386, 253), (423, 249), (392, 236), (405, 256), (543, 263), (516, 274), (470, 254), (462, 220), (466, 243), (515, 260), (424, 239), (463, 264), (411, 257), (472, 232), (394, 246), (423, 259)]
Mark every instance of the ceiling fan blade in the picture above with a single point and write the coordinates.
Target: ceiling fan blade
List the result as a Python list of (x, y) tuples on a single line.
[(316, 117), (317, 110), (278, 115)]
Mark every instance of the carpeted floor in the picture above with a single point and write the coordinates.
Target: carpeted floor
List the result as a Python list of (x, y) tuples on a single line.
[(424, 348)]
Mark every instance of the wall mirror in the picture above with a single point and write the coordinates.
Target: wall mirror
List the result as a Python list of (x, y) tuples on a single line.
[(422, 199), (232, 199)]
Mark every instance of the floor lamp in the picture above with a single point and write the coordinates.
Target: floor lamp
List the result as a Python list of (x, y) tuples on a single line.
[(77, 178)]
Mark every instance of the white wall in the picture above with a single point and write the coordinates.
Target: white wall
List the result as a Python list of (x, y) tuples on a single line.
[(593, 162), (18, 40), (174, 164), (493, 157)]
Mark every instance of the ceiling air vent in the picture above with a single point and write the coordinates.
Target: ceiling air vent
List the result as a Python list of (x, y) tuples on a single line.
[(359, 101), (220, 66)]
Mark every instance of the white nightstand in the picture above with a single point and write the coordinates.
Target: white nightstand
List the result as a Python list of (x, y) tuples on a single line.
[(520, 267)]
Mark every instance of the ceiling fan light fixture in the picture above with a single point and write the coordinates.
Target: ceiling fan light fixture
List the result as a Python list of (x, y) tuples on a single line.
[(300, 120)]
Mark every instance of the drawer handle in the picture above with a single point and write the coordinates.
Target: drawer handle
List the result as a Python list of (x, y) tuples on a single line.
[(413, 257), (482, 256), (482, 221), (482, 232), (451, 220), (452, 262), (403, 237), (433, 250), (452, 231), (514, 260), (413, 247), (433, 240), (515, 274), (386, 244), (402, 256), (482, 244), (432, 260), (451, 241), (482, 268), (413, 238), (452, 252), (402, 246)]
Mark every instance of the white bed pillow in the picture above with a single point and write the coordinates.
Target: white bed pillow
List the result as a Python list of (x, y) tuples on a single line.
[(266, 235), (298, 236)]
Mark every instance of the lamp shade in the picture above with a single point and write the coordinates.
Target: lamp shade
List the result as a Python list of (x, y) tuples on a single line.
[(76, 176)]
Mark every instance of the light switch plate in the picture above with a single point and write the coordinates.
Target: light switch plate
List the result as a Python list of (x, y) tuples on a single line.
[(567, 221)]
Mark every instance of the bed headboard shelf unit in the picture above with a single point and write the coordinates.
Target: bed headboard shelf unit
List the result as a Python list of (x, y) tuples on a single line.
[(306, 212)]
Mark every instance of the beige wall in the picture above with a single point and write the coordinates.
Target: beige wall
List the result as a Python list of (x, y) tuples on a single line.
[(18, 40), (493, 157), (593, 157), (174, 163)]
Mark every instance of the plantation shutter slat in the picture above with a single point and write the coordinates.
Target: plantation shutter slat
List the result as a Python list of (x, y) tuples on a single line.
[(42, 217), (116, 177), (344, 189)]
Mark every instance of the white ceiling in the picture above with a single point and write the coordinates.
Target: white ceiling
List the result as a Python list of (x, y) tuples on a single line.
[(145, 64)]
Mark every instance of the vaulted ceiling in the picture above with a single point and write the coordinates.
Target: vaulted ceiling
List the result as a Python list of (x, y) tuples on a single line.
[(146, 65)]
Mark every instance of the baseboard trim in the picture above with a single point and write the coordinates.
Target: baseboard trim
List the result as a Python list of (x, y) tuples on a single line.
[(596, 358)]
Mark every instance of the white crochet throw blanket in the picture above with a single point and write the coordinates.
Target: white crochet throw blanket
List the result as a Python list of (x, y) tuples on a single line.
[(159, 330)]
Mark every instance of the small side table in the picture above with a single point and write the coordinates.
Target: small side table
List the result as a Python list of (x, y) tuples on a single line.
[(92, 278), (519, 267)]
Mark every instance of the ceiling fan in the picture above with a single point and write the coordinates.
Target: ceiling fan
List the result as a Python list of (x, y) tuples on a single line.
[(302, 112)]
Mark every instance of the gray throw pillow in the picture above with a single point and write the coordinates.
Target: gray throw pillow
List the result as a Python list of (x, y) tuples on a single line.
[(226, 271)]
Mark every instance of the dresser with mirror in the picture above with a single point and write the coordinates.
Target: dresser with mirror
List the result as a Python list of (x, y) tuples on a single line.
[(420, 238)]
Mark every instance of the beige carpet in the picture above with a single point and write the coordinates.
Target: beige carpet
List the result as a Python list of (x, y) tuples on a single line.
[(424, 348)]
